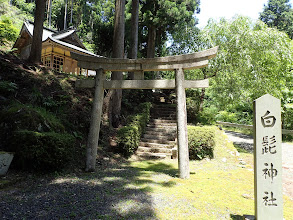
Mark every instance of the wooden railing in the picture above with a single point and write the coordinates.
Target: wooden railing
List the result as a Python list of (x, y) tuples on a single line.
[(228, 124)]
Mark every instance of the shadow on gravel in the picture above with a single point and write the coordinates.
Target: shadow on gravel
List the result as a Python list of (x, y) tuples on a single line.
[(243, 142), (115, 192)]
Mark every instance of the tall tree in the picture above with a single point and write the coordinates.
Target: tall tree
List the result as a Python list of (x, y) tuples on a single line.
[(36, 48), (252, 60), (279, 14), (65, 15), (134, 32), (118, 52), (166, 17)]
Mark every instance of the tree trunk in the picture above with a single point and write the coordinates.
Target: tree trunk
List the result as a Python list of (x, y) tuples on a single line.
[(50, 13), (118, 52), (151, 50), (71, 13), (36, 48), (65, 15), (134, 32), (151, 42)]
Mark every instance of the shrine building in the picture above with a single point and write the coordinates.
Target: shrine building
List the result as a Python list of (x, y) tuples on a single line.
[(56, 48)]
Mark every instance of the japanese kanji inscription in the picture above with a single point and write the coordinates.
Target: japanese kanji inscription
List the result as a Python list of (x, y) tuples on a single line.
[(268, 158)]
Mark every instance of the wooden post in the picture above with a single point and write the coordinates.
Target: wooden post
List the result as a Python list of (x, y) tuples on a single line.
[(182, 139), (93, 138)]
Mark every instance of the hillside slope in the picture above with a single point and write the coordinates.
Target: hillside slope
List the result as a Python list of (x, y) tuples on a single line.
[(43, 119)]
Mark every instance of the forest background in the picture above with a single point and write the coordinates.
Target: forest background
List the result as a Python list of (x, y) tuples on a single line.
[(254, 58)]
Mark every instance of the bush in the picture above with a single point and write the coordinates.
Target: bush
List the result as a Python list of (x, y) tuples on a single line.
[(7, 31), (201, 142), (226, 117), (208, 115), (44, 152), (129, 135)]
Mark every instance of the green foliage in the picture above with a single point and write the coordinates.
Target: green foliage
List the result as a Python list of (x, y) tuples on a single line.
[(45, 152), (208, 115), (287, 117), (7, 87), (201, 142), (279, 14), (253, 60), (226, 117), (129, 135), (18, 116), (24, 6), (7, 30), (135, 97)]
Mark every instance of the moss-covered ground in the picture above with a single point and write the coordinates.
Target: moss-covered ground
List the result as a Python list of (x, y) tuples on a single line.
[(221, 188)]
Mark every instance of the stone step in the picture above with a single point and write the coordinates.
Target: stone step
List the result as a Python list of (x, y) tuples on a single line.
[(155, 145), (163, 112), (164, 117), (146, 155), (165, 129), (162, 121), (162, 132), (158, 141), (154, 150), (162, 125), (159, 136)]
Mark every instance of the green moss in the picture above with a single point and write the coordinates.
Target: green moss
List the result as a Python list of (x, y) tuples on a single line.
[(215, 189)]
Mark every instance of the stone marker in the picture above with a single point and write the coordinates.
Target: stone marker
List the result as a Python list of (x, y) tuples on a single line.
[(5, 160), (268, 158)]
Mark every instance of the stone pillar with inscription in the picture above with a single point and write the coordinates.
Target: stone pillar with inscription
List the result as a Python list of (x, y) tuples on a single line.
[(268, 158)]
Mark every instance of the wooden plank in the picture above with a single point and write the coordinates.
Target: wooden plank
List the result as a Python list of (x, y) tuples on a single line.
[(182, 138), (142, 84)]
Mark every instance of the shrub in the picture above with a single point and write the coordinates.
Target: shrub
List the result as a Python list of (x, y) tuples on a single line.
[(201, 142), (129, 135), (7, 87), (7, 31), (226, 117), (44, 152), (208, 115)]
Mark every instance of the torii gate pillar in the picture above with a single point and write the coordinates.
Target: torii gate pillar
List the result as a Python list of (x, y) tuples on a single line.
[(177, 63), (182, 138)]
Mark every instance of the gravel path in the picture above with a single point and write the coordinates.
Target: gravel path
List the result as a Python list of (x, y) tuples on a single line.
[(246, 142)]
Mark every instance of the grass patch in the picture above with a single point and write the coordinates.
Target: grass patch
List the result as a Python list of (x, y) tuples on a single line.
[(215, 189)]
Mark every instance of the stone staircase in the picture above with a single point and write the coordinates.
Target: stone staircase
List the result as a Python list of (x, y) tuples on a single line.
[(159, 140)]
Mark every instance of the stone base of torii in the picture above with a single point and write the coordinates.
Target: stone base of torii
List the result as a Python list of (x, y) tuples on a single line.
[(177, 63)]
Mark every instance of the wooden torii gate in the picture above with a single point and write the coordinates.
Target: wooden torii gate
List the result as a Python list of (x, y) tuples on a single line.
[(177, 63)]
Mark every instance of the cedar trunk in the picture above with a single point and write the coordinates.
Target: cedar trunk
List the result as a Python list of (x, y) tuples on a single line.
[(36, 48), (134, 32), (118, 52)]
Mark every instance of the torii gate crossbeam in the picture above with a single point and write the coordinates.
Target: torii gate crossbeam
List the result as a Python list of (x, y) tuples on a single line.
[(177, 63)]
